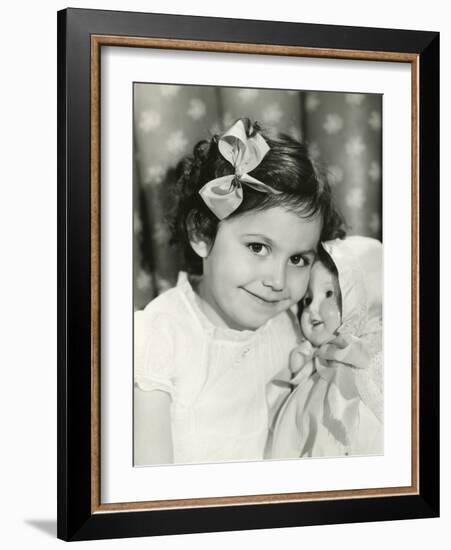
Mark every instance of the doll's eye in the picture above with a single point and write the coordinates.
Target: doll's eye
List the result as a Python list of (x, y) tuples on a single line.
[(307, 301), (258, 248), (329, 293)]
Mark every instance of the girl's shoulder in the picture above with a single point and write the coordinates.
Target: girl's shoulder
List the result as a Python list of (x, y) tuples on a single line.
[(168, 301), (168, 310), (172, 312)]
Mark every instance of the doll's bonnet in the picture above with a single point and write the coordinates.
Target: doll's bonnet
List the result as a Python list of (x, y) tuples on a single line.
[(359, 264)]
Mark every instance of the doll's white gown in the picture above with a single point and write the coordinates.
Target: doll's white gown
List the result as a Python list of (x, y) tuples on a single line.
[(336, 404)]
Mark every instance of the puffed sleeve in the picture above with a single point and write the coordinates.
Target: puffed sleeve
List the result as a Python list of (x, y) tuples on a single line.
[(153, 353)]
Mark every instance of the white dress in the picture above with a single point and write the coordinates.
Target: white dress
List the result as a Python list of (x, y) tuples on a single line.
[(221, 409)]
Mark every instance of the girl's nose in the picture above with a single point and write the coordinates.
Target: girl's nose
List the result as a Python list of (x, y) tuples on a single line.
[(275, 278)]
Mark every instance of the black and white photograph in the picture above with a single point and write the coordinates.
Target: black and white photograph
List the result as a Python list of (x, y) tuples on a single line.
[(257, 274)]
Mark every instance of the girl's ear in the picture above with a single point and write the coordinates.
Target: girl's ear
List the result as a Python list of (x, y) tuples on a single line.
[(200, 246), (199, 243)]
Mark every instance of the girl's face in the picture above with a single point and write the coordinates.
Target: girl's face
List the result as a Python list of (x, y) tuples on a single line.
[(321, 315), (259, 265)]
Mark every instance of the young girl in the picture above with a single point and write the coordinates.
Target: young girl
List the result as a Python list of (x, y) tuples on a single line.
[(206, 349), (336, 406)]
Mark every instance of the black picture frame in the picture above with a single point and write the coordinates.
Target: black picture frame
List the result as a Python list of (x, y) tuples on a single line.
[(79, 517)]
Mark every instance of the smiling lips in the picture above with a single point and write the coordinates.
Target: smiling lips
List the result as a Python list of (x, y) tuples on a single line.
[(261, 299)]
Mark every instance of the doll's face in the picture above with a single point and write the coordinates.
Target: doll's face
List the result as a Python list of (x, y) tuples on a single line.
[(321, 314)]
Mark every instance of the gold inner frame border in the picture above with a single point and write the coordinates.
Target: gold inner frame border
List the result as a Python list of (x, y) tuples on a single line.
[(97, 41)]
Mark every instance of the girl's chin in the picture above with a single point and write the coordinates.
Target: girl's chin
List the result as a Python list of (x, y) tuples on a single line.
[(250, 324), (250, 321)]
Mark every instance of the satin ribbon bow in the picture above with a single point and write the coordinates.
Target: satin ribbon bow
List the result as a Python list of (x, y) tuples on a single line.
[(225, 194)]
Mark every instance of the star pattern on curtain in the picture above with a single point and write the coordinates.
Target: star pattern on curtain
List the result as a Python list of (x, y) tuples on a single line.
[(343, 132)]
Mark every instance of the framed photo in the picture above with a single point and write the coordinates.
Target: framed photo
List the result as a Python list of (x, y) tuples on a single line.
[(214, 177)]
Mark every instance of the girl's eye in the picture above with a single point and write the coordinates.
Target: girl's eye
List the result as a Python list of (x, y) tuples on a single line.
[(329, 293), (307, 301), (299, 261), (258, 249)]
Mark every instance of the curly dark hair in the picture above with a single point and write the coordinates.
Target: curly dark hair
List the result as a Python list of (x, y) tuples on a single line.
[(286, 167)]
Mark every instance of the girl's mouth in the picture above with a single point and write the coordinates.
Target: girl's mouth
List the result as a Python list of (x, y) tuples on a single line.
[(260, 299)]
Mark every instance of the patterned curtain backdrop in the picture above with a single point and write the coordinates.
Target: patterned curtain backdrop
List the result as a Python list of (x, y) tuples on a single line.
[(343, 132), (344, 135)]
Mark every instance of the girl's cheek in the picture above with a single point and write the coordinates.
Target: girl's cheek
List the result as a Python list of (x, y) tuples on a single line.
[(299, 283)]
